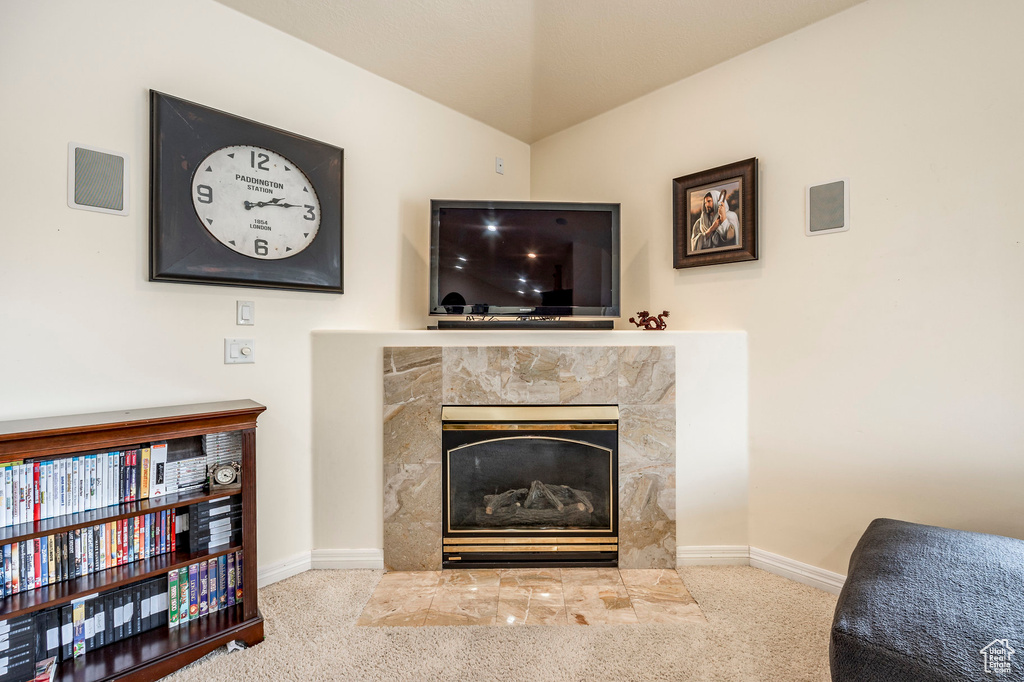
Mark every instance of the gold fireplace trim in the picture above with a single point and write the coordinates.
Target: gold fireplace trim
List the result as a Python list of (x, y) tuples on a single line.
[(515, 413), (532, 426), (530, 541), (532, 548), (531, 544)]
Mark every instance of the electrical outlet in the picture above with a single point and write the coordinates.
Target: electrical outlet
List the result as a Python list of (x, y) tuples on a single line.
[(499, 165)]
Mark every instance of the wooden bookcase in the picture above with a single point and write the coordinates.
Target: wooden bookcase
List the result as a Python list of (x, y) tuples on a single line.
[(156, 653)]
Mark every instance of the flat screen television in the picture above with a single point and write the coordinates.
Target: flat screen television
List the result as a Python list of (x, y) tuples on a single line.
[(525, 259)]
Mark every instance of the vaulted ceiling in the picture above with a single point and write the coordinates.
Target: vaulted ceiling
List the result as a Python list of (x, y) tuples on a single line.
[(531, 68)]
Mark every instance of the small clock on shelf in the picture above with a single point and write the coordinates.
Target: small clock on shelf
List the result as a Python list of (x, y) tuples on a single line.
[(224, 475), (236, 202)]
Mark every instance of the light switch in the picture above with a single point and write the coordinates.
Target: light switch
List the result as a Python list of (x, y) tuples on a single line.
[(245, 312), (238, 351)]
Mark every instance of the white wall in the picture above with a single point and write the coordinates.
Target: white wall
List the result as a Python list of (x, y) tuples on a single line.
[(81, 328), (886, 372)]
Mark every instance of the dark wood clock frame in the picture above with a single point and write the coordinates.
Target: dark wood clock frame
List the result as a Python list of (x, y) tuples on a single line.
[(182, 134)]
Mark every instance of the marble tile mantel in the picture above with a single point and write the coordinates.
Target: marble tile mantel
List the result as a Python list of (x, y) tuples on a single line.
[(418, 380)]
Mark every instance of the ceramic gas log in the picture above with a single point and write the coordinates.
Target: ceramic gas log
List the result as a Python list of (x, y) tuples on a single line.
[(540, 504)]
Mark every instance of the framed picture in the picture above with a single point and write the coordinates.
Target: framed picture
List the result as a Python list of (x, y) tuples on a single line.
[(234, 202), (714, 215)]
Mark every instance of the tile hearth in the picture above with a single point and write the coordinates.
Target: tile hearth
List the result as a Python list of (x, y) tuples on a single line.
[(552, 596)]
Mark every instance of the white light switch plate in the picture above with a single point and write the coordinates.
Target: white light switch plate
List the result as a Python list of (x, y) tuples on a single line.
[(245, 312), (239, 351)]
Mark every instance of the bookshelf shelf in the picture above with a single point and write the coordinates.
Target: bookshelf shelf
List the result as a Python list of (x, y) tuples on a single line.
[(101, 581), (35, 529), (157, 652), (151, 655)]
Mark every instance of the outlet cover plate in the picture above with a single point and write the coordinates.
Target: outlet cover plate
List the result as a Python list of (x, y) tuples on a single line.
[(245, 313), (239, 351)]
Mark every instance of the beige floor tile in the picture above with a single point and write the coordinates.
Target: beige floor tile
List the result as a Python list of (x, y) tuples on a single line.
[(596, 596), (475, 577), (539, 602), (520, 577), (591, 576), (655, 577), (462, 610), (465, 597), (659, 596), (401, 598)]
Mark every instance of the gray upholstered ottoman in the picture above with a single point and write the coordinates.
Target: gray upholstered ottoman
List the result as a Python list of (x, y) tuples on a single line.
[(928, 604)]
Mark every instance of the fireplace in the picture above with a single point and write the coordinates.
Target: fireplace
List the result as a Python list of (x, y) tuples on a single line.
[(419, 381), (529, 486)]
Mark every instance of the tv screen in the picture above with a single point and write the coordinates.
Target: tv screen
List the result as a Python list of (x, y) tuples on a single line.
[(525, 259)]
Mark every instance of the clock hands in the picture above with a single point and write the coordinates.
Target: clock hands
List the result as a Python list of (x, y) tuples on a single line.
[(249, 205)]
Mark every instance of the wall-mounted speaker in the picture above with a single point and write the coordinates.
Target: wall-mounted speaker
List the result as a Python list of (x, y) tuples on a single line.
[(828, 208), (97, 179)]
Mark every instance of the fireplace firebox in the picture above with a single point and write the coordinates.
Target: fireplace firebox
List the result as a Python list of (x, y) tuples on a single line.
[(530, 486)]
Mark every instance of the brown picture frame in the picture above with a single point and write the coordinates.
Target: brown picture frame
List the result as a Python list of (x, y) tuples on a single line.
[(724, 234)]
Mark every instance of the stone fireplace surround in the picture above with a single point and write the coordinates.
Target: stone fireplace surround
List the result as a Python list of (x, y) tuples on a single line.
[(418, 380)]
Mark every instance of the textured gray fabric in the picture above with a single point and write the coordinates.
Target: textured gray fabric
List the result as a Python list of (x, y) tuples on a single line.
[(921, 602)]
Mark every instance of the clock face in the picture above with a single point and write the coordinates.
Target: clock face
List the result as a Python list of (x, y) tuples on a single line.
[(256, 202), (224, 475)]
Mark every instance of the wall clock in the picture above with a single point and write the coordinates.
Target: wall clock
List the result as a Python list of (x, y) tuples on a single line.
[(234, 202)]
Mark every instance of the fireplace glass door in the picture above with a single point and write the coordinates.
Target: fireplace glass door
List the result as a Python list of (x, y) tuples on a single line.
[(535, 481)]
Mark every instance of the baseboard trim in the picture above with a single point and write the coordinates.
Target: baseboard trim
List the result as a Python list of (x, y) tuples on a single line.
[(348, 558), (320, 559), (742, 555), (795, 570), (279, 570), (713, 555)]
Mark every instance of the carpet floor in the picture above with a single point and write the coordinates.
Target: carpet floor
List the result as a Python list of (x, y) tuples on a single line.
[(759, 627)]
